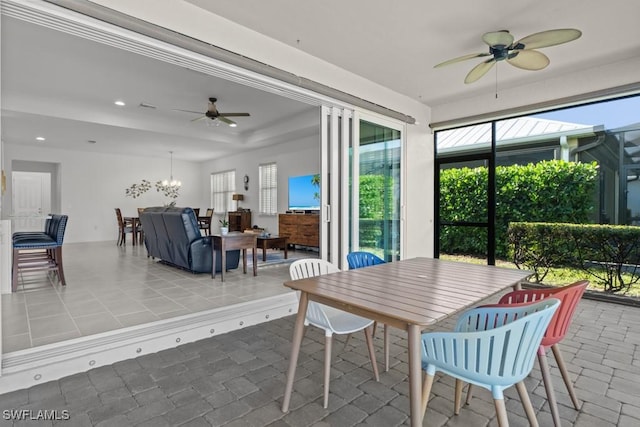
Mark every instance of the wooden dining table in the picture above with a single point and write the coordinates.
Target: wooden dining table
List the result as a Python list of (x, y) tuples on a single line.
[(411, 294)]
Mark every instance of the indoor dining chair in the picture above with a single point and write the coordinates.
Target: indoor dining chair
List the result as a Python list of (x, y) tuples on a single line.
[(331, 320), (569, 296), (491, 347), (124, 228), (205, 224), (361, 259)]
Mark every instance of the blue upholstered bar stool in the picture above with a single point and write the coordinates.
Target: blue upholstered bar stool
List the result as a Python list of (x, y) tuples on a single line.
[(36, 251)]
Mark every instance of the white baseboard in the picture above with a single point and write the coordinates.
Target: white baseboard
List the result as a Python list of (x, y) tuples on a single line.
[(29, 367)]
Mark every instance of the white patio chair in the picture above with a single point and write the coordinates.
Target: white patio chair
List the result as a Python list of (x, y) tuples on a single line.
[(332, 320)]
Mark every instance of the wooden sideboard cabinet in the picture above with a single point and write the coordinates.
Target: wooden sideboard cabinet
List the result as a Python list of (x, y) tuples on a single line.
[(301, 229), (239, 221)]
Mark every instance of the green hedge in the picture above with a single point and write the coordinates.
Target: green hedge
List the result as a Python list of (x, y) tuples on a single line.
[(610, 254), (552, 191)]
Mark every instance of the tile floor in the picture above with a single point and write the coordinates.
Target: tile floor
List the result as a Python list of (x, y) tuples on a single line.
[(110, 287)]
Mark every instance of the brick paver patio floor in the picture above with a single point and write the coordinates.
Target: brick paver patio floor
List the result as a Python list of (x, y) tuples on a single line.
[(238, 379)]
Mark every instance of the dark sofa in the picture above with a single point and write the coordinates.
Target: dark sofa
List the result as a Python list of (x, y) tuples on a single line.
[(172, 235)]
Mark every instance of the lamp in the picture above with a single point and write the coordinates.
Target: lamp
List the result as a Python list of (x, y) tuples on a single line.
[(237, 198), (171, 182)]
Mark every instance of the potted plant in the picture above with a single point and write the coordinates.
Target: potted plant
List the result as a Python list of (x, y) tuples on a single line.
[(224, 226)]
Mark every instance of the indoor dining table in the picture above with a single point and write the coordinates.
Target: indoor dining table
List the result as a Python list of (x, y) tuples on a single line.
[(411, 294)]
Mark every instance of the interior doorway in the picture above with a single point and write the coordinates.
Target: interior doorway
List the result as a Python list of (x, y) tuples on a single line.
[(35, 193), (31, 200)]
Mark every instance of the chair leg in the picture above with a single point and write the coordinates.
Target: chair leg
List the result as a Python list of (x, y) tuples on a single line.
[(372, 353), (469, 394), (58, 261), (328, 339), (386, 348), (526, 404), (458, 396), (426, 391), (565, 375), (14, 271), (548, 386), (346, 341), (501, 412)]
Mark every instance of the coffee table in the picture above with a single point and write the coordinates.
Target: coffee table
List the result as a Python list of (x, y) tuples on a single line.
[(273, 242)]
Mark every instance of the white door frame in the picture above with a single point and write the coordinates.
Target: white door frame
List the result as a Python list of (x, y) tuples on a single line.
[(355, 167)]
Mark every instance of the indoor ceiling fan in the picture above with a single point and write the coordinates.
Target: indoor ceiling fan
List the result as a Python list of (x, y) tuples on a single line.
[(520, 54), (213, 114)]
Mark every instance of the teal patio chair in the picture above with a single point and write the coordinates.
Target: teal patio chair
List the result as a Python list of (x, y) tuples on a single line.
[(361, 259), (491, 347)]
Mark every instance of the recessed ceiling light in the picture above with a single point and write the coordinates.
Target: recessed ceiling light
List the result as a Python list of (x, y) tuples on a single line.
[(40, 138), (233, 125), (120, 103)]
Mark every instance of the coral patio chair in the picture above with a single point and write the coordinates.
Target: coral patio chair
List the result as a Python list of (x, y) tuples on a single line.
[(365, 259), (569, 296), (492, 347), (332, 320)]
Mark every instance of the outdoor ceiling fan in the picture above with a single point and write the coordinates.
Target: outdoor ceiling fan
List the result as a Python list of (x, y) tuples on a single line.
[(213, 114), (521, 54)]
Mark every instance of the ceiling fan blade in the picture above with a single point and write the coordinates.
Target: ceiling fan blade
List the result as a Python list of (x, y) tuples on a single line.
[(225, 120), (186, 111), (233, 115), (199, 118), (528, 59), (548, 38), (498, 38), (461, 58), (479, 70)]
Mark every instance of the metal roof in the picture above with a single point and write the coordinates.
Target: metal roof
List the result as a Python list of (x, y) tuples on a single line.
[(520, 128)]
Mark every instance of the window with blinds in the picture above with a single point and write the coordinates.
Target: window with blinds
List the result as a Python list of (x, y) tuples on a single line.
[(268, 188), (223, 185)]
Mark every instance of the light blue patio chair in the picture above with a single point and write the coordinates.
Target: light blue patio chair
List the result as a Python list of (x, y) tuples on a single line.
[(330, 319), (360, 259), (491, 347)]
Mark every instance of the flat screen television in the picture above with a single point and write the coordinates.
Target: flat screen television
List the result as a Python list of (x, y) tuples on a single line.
[(303, 193)]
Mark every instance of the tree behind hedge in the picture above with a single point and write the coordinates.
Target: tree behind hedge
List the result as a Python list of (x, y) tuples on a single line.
[(549, 191)]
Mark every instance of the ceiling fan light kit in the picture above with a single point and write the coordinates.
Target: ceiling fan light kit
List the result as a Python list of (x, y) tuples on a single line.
[(520, 54)]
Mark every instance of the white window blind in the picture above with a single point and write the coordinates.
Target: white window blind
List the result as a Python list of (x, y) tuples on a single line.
[(268, 188), (223, 185)]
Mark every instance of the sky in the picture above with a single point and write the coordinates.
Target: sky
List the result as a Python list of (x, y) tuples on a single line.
[(611, 114)]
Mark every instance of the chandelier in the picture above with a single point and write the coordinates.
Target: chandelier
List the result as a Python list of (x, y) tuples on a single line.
[(171, 183)]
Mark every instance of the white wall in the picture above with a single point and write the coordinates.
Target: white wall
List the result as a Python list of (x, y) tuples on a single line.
[(93, 185), (299, 157)]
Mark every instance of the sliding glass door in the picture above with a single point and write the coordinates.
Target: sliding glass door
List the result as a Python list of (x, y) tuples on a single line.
[(361, 186), (376, 190)]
